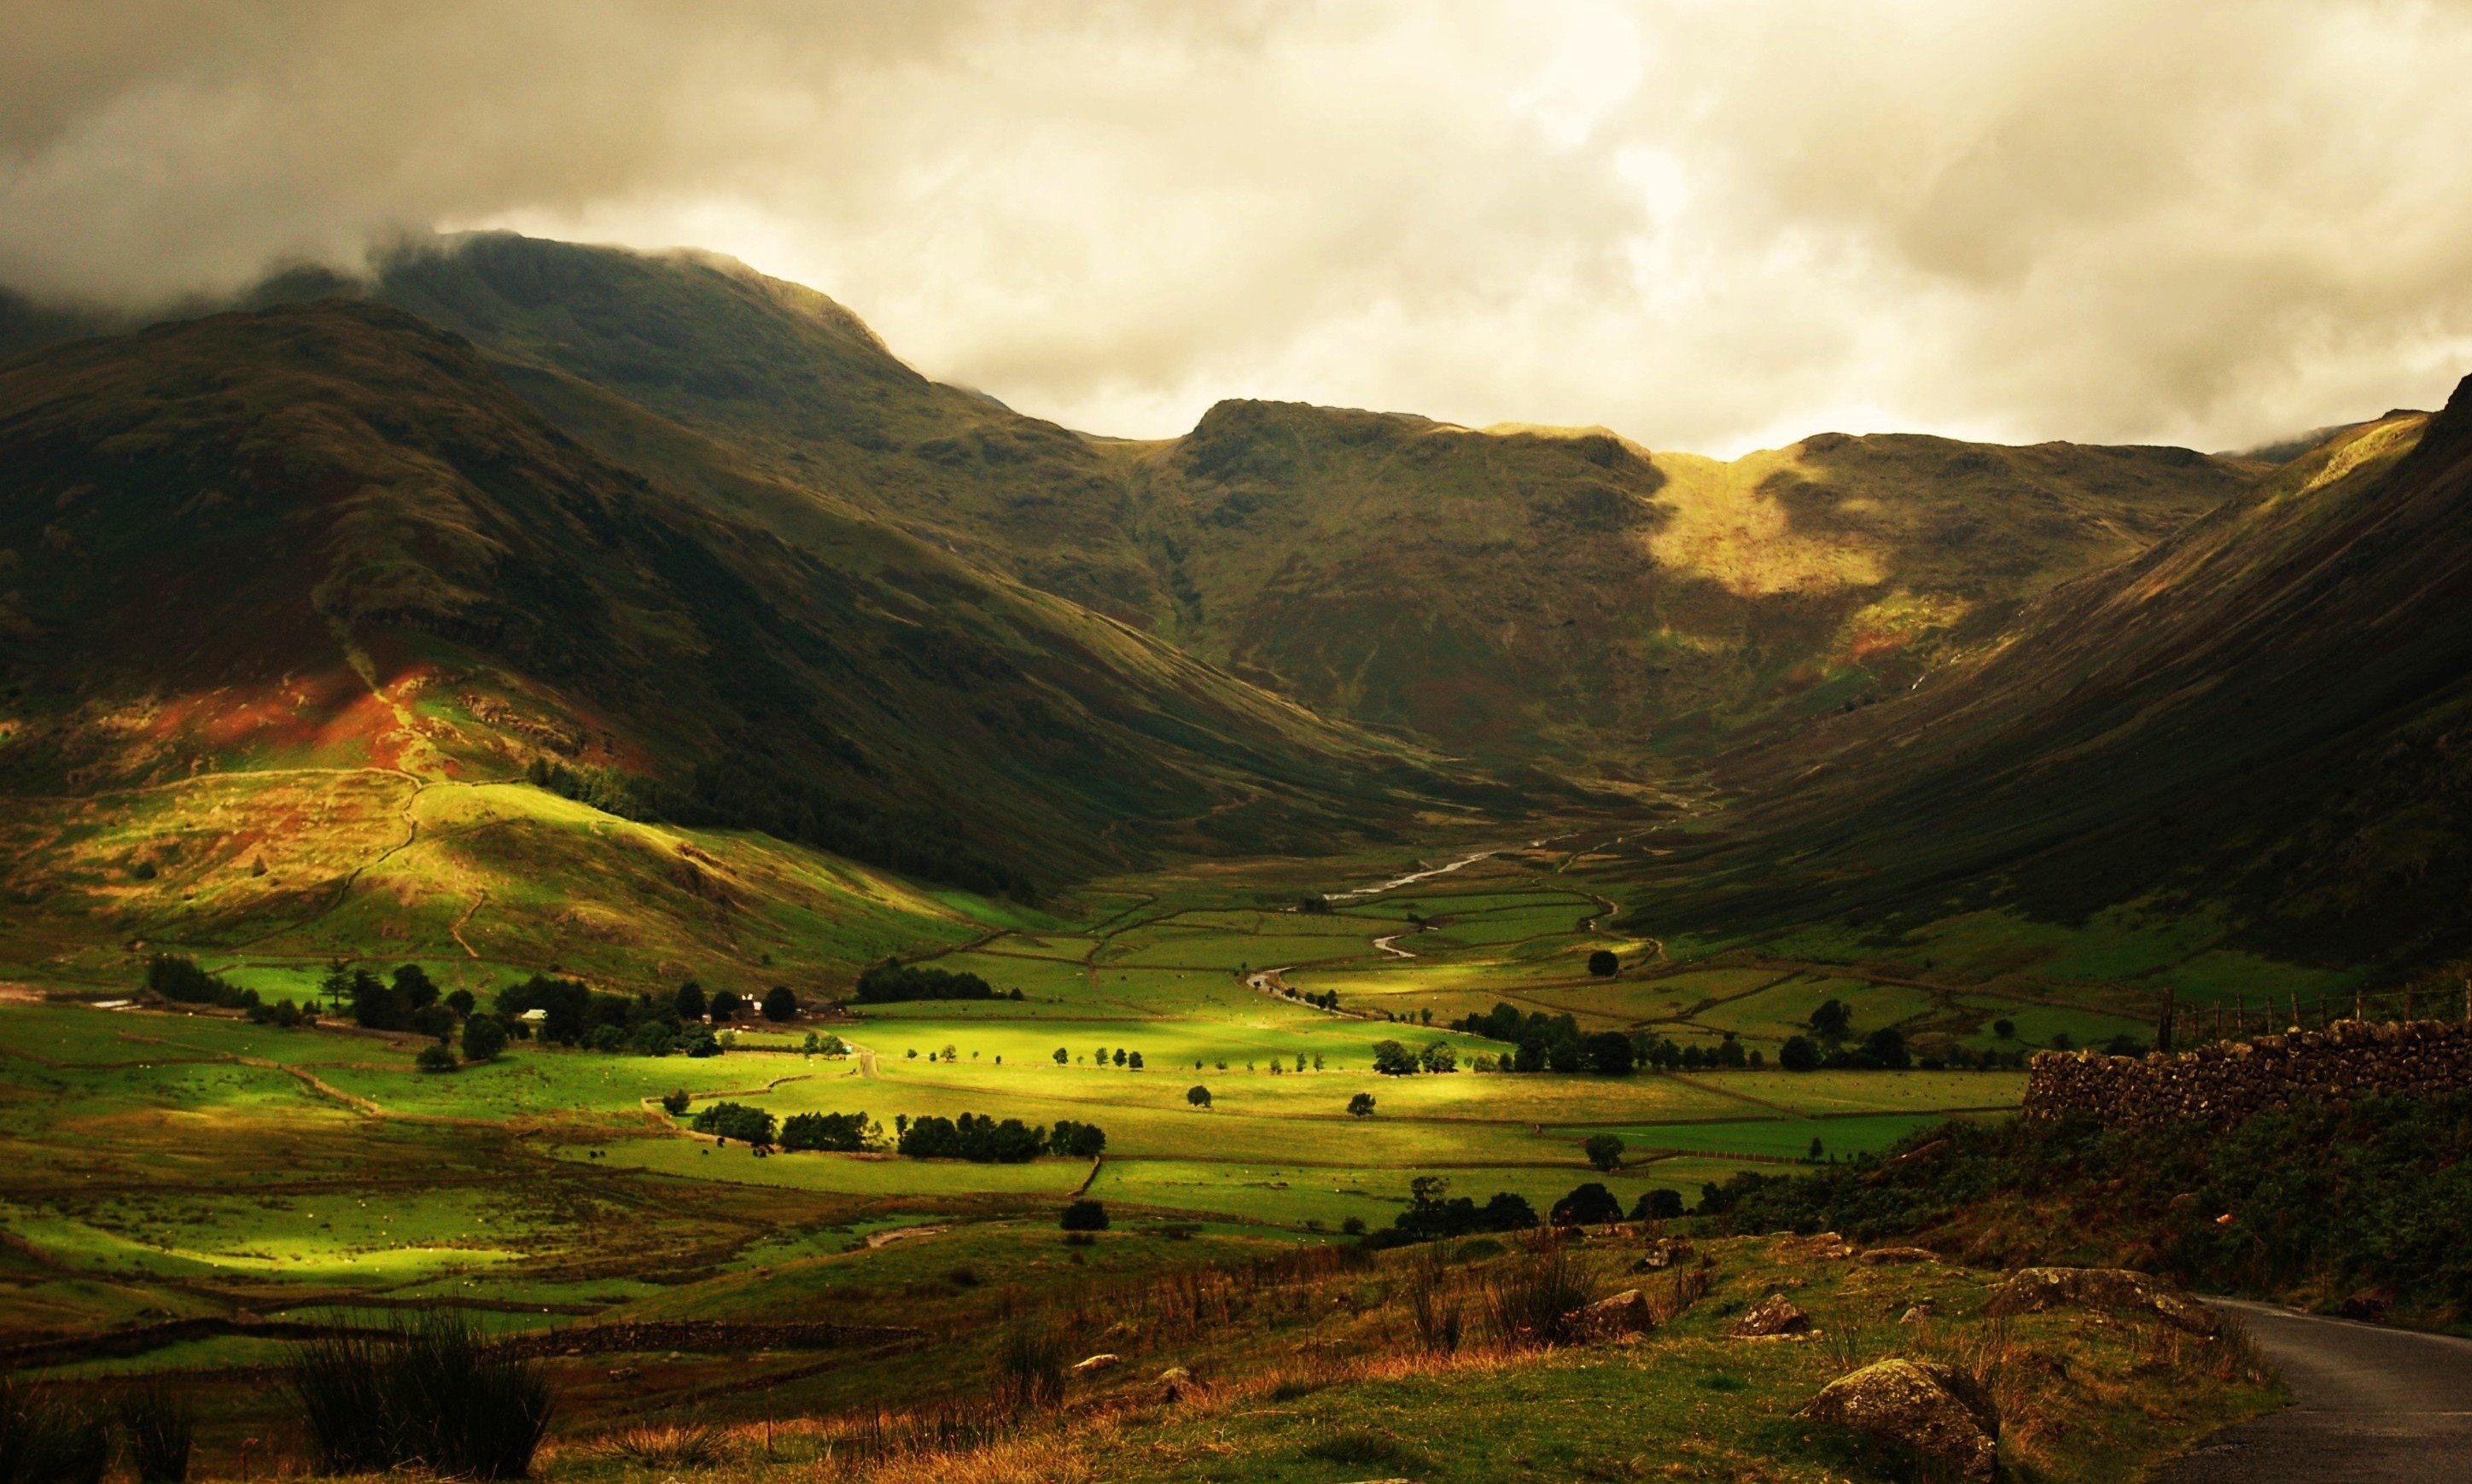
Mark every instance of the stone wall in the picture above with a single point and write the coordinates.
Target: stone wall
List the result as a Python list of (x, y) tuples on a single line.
[(2227, 1082)]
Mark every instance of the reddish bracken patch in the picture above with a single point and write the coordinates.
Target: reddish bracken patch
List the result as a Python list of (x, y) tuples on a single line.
[(1865, 646)]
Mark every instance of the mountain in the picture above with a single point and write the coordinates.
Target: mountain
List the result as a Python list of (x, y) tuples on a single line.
[(2267, 716), (1506, 593), (327, 535)]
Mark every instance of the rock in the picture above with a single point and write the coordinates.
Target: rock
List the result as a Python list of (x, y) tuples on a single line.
[(1175, 1383), (1625, 1313), (1094, 1364), (1663, 1252), (1940, 1412), (1919, 1313), (2031, 1291), (1769, 1318), (1825, 1247), (1877, 1255)]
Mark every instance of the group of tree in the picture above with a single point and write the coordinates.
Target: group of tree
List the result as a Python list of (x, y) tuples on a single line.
[(1394, 1060), (641, 1024), (890, 982), (1131, 1061), (726, 1120), (987, 1141), (1434, 1214), (179, 980), (837, 1133)]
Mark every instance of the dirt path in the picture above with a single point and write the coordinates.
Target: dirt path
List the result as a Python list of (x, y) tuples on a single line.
[(2370, 1405)]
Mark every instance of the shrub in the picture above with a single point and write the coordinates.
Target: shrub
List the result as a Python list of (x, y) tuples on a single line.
[(46, 1440), (1589, 1204), (676, 1103), (483, 1038), (841, 1133), (779, 1003), (734, 1121), (1361, 1106), (1604, 964), (433, 1393), (1198, 1096), (157, 1425), (1604, 1151), (1353, 1226), (611, 1039), (437, 1056), (1085, 1217), (701, 1042)]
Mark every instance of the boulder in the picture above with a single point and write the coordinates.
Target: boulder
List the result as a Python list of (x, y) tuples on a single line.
[(1878, 1256), (1663, 1252), (1175, 1383), (1092, 1365), (1940, 1412), (1770, 1317), (1625, 1313), (1825, 1247), (2031, 1291)]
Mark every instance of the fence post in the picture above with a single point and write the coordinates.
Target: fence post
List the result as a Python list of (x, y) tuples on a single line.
[(2296, 1010), (2359, 1005), (2163, 1022)]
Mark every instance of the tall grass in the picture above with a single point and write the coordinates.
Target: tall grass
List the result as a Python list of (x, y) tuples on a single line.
[(434, 1392), (45, 1440), (1432, 1305), (1030, 1368), (157, 1427), (1530, 1301)]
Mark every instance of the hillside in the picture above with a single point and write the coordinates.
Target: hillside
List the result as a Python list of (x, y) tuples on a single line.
[(2260, 719), (327, 536), (1500, 593)]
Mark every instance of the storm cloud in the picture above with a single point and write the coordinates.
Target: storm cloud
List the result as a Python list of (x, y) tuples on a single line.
[(1707, 225)]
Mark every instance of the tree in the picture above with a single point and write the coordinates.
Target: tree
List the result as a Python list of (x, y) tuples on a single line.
[(1657, 1205), (1604, 1151), (779, 1003), (689, 1000), (1832, 1022), (1610, 1053), (1394, 1060), (1198, 1096), (676, 1103), (436, 1057), (1436, 1057), (1798, 1054), (725, 1007), (1818, 1151), (1062, 1057), (841, 1133), (1134, 1062), (460, 1001), (1353, 1226), (2063, 1041), (1604, 964), (734, 1121), (483, 1038), (2006, 1029), (1887, 1046), (1587, 1205), (1361, 1106), (1085, 1217), (1120, 1057), (413, 985), (1077, 1140)]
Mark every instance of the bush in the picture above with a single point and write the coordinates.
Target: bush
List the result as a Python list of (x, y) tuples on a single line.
[(1361, 1106), (701, 1041), (158, 1426), (1085, 1217), (46, 1440), (437, 1056), (779, 1003), (676, 1103), (734, 1121), (483, 1038), (652, 1039), (608, 1039), (839, 1133), (1198, 1096), (1353, 1226), (1587, 1205), (433, 1393), (1604, 1151), (1604, 964)]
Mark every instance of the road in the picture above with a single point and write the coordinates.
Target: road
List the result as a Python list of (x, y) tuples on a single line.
[(2370, 1405)]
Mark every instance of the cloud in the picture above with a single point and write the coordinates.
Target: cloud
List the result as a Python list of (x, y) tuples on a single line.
[(1709, 226)]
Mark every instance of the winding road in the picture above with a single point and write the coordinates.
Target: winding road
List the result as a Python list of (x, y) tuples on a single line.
[(2370, 1405)]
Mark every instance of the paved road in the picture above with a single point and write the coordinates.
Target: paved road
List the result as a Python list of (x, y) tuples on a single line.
[(2370, 1405)]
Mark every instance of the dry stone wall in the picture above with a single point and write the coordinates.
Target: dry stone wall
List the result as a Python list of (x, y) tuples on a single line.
[(2235, 1080)]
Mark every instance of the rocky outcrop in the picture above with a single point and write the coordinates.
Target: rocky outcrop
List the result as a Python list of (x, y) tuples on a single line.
[(1092, 1365), (2031, 1291), (1625, 1313), (1937, 1411), (1877, 1257), (2227, 1083), (1768, 1319)]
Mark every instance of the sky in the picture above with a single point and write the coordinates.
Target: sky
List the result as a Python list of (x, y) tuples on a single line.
[(1707, 225)]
